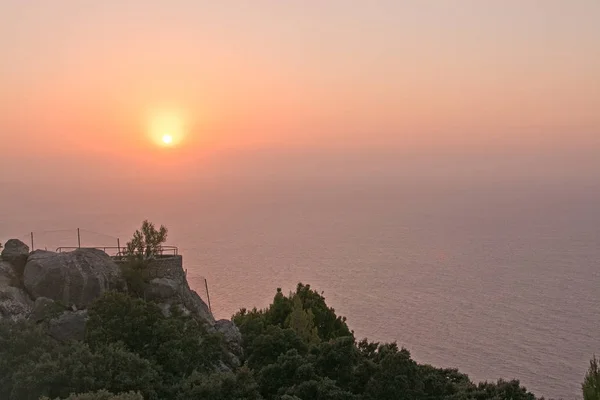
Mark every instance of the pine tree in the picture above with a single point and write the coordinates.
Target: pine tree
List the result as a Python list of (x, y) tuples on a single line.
[(302, 322), (591, 383)]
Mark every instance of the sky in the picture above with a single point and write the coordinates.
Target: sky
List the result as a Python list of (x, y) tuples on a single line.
[(88, 89)]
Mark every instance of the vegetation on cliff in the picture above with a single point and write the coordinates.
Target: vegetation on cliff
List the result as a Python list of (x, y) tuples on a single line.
[(146, 242), (297, 348), (591, 382)]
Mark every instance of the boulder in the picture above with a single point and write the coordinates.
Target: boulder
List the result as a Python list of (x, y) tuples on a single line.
[(15, 252), (74, 278), (68, 326), (192, 301), (161, 289), (231, 334), (15, 304), (8, 275), (45, 309), (168, 285), (167, 308)]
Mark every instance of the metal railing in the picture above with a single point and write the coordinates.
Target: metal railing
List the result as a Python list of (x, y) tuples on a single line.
[(121, 251)]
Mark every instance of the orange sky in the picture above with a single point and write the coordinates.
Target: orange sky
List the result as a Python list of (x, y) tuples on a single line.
[(423, 76)]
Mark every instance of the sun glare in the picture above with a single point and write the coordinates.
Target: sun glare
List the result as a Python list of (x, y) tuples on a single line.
[(167, 129)]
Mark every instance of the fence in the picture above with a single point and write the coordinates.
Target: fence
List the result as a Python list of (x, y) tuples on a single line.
[(64, 240), (120, 251), (75, 238)]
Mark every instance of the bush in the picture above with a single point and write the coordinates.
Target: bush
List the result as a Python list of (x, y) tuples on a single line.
[(591, 383), (146, 243), (178, 344), (135, 274), (102, 395)]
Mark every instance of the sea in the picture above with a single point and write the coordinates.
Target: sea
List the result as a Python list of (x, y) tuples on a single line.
[(499, 278)]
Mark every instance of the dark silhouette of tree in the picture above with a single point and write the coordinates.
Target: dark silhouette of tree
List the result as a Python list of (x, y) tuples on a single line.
[(147, 242), (591, 382)]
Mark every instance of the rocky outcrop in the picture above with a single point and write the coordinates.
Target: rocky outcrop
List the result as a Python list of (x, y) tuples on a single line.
[(70, 325), (231, 334), (162, 289), (15, 252), (75, 278), (15, 304), (8, 276), (168, 285), (55, 289)]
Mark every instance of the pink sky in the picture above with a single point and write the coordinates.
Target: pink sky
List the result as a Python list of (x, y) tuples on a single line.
[(79, 81)]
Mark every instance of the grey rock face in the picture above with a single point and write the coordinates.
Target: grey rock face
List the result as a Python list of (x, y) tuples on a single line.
[(168, 285), (195, 304), (8, 275), (74, 278), (16, 252), (162, 288), (68, 326), (231, 334), (15, 304), (166, 309)]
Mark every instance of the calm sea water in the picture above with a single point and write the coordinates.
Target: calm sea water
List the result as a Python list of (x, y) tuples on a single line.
[(497, 279)]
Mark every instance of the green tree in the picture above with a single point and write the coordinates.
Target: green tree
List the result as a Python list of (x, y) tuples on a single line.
[(147, 242), (117, 317), (75, 368), (264, 349), (102, 395), (178, 344), (396, 373), (338, 360), (301, 321), (328, 324), (21, 344), (591, 382), (289, 370), (220, 386), (322, 389)]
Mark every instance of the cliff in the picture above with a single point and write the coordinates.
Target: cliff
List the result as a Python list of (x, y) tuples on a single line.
[(56, 289)]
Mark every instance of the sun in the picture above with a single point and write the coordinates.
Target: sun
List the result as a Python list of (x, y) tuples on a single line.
[(167, 128), (167, 139)]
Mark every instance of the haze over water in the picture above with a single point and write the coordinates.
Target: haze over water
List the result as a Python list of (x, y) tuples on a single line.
[(432, 166)]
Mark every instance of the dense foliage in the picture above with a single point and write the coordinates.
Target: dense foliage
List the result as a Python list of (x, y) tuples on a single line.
[(103, 395), (129, 346), (296, 349), (314, 355), (591, 383)]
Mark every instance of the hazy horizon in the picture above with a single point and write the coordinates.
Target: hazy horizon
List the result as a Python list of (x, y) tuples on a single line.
[(84, 85)]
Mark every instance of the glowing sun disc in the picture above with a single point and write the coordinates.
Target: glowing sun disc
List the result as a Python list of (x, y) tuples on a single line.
[(167, 128)]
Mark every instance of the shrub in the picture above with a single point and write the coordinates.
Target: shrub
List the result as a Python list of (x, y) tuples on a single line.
[(591, 383), (102, 395), (146, 243)]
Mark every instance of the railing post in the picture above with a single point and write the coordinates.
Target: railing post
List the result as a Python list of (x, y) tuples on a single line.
[(207, 295), (78, 239), (32, 248)]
